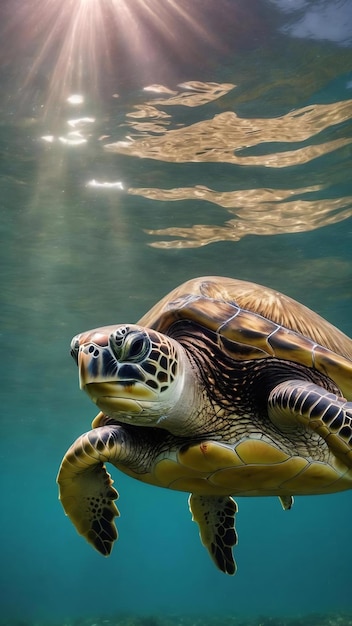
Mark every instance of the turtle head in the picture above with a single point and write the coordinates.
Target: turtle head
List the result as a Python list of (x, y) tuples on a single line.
[(136, 375)]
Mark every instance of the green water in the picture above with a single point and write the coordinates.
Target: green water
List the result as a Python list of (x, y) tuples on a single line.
[(237, 164)]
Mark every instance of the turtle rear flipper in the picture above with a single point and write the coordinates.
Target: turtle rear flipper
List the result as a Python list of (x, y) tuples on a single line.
[(215, 516), (297, 402), (286, 502), (85, 489)]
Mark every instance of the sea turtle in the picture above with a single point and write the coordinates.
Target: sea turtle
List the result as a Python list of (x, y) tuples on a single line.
[(223, 388)]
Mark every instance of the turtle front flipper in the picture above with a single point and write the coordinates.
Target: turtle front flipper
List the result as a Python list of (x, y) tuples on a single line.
[(85, 487), (215, 516), (296, 402)]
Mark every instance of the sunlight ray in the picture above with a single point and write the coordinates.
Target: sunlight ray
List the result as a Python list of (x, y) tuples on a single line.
[(78, 45)]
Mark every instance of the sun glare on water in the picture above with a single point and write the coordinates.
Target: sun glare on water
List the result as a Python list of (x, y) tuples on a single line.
[(86, 46)]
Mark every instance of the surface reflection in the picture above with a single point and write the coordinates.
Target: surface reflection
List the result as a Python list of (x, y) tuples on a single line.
[(265, 219), (226, 135), (298, 137)]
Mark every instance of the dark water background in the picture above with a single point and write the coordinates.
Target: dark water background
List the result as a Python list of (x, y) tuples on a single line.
[(235, 161)]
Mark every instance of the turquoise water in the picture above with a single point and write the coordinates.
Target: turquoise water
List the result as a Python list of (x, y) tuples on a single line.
[(208, 138)]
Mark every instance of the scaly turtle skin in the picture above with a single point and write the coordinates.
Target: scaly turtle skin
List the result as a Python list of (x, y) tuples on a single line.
[(224, 388)]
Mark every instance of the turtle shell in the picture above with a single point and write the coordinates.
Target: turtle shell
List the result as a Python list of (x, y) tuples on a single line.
[(255, 322)]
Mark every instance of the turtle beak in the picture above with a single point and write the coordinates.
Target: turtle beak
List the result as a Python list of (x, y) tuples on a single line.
[(87, 350), (100, 381), (82, 363)]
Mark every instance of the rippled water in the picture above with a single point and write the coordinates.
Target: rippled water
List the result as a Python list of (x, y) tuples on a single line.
[(207, 138)]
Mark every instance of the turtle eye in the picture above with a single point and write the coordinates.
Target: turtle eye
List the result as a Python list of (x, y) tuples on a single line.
[(132, 345), (137, 347)]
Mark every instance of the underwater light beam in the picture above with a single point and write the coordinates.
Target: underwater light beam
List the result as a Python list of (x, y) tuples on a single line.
[(82, 45)]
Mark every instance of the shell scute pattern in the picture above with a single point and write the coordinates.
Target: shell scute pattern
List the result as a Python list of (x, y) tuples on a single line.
[(195, 309), (255, 323), (246, 336)]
